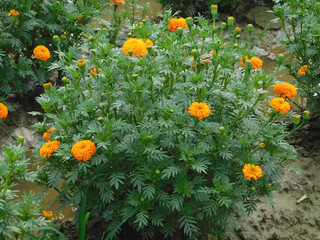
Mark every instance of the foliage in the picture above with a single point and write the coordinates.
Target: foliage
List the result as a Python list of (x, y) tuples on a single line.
[(35, 25), (156, 167), (193, 8), (300, 21), (19, 218)]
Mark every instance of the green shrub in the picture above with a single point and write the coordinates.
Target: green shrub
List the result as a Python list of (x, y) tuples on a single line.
[(125, 141), (20, 218), (35, 25), (300, 21)]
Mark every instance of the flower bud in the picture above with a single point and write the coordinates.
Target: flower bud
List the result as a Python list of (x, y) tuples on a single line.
[(236, 31), (140, 23), (99, 118), (142, 199), (47, 85), (179, 32), (82, 63), (20, 140), (296, 119), (236, 45), (262, 145), (223, 26), (189, 21), (230, 21), (149, 48), (63, 36), (280, 58), (222, 129), (250, 28), (130, 52), (104, 29), (143, 20), (90, 38), (238, 36), (214, 10), (129, 34), (64, 80), (135, 75), (306, 115), (56, 39), (194, 53), (248, 65), (157, 171)]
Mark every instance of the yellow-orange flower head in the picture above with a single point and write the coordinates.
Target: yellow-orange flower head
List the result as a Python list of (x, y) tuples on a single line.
[(251, 171), (83, 150), (174, 23), (42, 53), (47, 85), (285, 90), (48, 148), (280, 105), (46, 136), (3, 111), (149, 42), (47, 214), (119, 3), (199, 110), (94, 71), (13, 13), (138, 46), (256, 62), (81, 63), (303, 69)]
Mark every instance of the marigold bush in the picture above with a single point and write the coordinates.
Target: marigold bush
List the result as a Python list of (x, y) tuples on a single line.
[(131, 148), (300, 22)]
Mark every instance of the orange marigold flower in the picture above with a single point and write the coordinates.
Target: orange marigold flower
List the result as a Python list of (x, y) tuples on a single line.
[(3, 111), (199, 110), (119, 3), (138, 46), (42, 53), (94, 71), (78, 18), (149, 42), (13, 13), (285, 90), (46, 136), (82, 63), (280, 105), (256, 62), (51, 129), (83, 150), (303, 69), (47, 214), (47, 85), (63, 36), (48, 148), (204, 61), (252, 171), (243, 62), (174, 23)]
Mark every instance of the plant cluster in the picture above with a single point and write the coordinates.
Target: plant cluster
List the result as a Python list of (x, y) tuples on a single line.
[(168, 137), (26, 24), (20, 218), (300, 21)]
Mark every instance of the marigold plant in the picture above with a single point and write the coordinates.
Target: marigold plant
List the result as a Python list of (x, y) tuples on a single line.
[(166, 144)]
